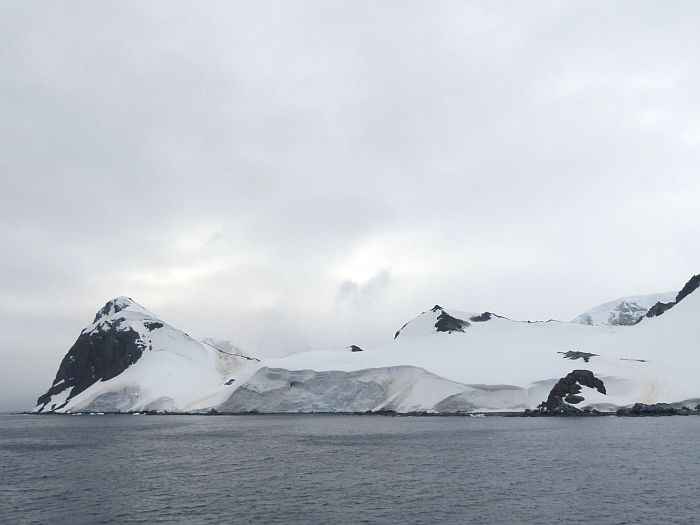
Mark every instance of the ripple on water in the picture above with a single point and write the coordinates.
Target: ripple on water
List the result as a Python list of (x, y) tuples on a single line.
[(347, 470)]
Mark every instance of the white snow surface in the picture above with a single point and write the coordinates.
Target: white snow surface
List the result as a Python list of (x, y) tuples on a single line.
[(653, 361), (494, 365), (624, 310), (175, 372)]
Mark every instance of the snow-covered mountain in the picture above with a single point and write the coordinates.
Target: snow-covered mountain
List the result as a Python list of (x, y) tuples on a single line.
[(445, 361), (625, 311), (129, 360)]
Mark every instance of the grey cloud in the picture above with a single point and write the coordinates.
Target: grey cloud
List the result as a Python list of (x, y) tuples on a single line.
[(225, 161), (361, 295)]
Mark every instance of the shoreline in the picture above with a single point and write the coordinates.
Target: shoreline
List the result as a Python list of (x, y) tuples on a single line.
[(523, 414)]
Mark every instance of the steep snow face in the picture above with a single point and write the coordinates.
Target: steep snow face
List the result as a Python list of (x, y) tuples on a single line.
[(397, 389), (625, 311), (128, 359), (401, 388)]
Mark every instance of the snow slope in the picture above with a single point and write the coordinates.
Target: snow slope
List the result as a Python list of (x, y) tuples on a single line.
[(518, 362), (172, 370), (623, 311), (446, 361)]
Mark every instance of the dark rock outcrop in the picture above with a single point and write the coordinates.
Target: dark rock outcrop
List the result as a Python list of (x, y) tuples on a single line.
[(486, 316), (658, 309), (656, 409), (355, 348), (689, 287), (564, 395), (112, 307), (98, 355), (574, 355), (574, 399), (447, 323), (399, 330)]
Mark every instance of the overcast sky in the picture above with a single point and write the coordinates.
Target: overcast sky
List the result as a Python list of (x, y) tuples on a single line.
[(315, 174)]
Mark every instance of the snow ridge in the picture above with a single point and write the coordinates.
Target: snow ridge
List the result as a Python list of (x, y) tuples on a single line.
[(443, 361)]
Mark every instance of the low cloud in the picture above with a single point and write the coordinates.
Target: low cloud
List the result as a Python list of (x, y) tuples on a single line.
[(229, 165), (363, 294)]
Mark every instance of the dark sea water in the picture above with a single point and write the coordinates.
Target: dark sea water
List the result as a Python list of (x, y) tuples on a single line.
[(348, 470)]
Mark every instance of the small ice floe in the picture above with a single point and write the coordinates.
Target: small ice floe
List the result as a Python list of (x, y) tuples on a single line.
[(477, 415), (137, 414)]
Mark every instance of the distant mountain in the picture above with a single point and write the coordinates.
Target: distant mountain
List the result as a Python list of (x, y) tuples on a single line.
[(443, 361), (625, 311)]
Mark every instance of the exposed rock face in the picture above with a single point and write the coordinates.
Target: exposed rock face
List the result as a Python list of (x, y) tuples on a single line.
[(399, 330), (98, 355), (449, 324), (689, 288), (657, 409), (106, 348), (355, 348), (112, 307), (486, 316), (574, 355), (659, 308), (565, 393)]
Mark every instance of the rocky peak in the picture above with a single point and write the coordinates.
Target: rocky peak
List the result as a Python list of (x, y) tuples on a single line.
[(115, 306), (102, 351), (689, 287)]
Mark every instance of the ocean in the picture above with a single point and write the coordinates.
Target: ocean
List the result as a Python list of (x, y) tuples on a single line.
[(308, 469)]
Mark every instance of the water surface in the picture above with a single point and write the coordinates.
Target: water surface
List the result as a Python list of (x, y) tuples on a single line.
[(348, 470)]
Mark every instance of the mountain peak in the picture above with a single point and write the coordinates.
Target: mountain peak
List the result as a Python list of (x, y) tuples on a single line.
[(117, 305), (624, 311)]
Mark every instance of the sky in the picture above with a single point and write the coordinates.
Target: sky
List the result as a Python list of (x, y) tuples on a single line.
[(296, 175)]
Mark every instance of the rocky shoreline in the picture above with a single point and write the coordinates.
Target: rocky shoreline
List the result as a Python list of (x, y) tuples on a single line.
[(637, 410)]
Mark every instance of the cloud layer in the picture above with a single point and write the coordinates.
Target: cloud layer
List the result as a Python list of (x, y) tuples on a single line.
[(317, 173)]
